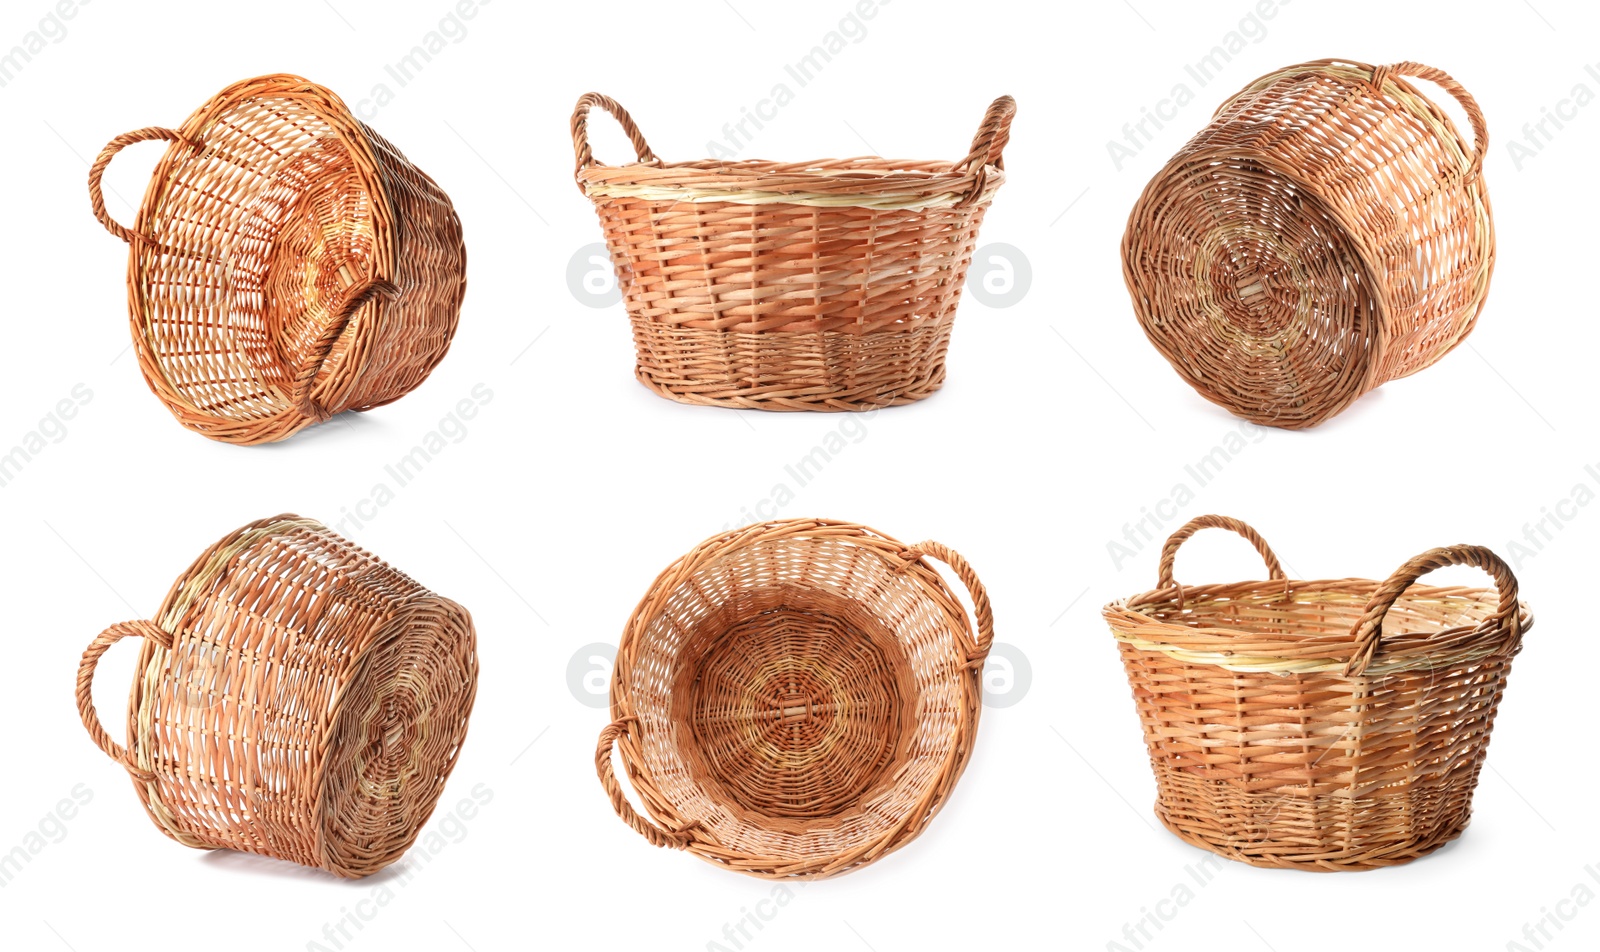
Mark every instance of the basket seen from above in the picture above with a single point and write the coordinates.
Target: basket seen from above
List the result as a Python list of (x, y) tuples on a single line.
[(287, 263), (294, 697), (796, 699), (1327, 232), (1321, 725), (826, 285)]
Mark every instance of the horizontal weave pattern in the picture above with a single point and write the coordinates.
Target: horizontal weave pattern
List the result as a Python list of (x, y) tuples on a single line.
[(1324, 725)]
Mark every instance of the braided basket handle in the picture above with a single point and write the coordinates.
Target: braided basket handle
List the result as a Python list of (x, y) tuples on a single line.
[(86, 667), (1169, 551), (317, 355), (1368, 631), (97, 171), (980, 595), (580, 132), (1442, 79), (619, 802), (988, 147)]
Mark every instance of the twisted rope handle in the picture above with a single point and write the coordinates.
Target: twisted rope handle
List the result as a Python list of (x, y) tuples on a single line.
[(1169, 551), (97, 171), (580, 132), (86, 667), (306, 375), (988, 146), (1368, 631), (608, 779), (980, 595), (1442, 79)]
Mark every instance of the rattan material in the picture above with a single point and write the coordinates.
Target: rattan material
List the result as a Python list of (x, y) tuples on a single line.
[(287, 264), (1328, 232), (294, 697), (1324, 725), (827, 285), (796, 698)]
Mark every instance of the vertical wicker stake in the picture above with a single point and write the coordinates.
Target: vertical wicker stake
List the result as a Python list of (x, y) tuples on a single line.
[(287, 264), (1328, 232), (295, 697), (796, 699), (1325, 725), (826, 285)]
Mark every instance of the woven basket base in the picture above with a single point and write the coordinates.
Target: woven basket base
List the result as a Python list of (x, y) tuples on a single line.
[(795, 712), (821, 370), (1273, 851)]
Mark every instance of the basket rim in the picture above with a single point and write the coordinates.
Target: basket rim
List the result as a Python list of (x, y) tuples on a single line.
[(190, 143), (858, 182), (1133, 625)]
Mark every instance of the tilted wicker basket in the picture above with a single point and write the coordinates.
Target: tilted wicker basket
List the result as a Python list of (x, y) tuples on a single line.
[(826, 285), (1325, 725), (1328, 232), (295, 697), (796, 699), (287, 263)]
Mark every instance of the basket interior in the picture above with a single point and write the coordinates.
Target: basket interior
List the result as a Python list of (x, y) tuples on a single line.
[(797, 696), (1313, 620), (265, 231)]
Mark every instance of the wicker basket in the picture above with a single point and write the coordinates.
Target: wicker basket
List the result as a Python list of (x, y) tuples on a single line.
[(796, 699), (1328, 232), (827, 285), (287, 264), (1324, 725), (295, 697)]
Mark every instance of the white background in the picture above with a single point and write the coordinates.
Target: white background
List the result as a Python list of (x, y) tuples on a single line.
[(574, 485)]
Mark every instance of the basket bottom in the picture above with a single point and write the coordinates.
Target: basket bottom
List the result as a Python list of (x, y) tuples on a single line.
[(796, 713), (1321, 834), (818, 370)]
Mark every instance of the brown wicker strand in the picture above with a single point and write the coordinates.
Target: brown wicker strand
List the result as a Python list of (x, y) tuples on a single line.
[(295, 697), (1327, 232), (823, 285), (1325, 725), (287, 263), (796, 699)]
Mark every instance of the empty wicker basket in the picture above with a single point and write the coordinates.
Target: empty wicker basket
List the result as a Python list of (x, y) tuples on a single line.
[(826, 285), (295, 697), (1328, 232), (287, 264), (1325, 725), (797, 698)]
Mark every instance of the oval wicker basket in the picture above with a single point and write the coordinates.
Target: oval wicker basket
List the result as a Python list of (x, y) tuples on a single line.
[(796, 699), (826, 285), (295, 697), (1322, 725), (1328, 232), (287, 263)]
